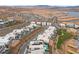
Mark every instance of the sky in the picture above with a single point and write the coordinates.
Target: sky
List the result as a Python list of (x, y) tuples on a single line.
[(39, 2)]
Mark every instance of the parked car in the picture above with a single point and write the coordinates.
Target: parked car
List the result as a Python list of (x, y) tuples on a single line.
[(36, 45)]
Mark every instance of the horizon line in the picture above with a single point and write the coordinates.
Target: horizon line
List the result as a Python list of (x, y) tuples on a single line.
[(40, 5)]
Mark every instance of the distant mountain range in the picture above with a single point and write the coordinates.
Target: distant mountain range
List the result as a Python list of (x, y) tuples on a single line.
[(47, 6), (42, 6)]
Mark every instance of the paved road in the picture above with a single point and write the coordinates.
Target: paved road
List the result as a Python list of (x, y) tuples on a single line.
[(7, 30), (23, 49), (15, 49)]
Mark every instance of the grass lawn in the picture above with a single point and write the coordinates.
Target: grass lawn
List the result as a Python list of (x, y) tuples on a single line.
[(62, 36)]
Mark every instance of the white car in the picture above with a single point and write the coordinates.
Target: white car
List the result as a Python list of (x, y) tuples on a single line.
[(40, 51), (36, 45)]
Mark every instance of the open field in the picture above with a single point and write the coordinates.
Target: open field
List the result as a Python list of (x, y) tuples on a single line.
[(46, 12)]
